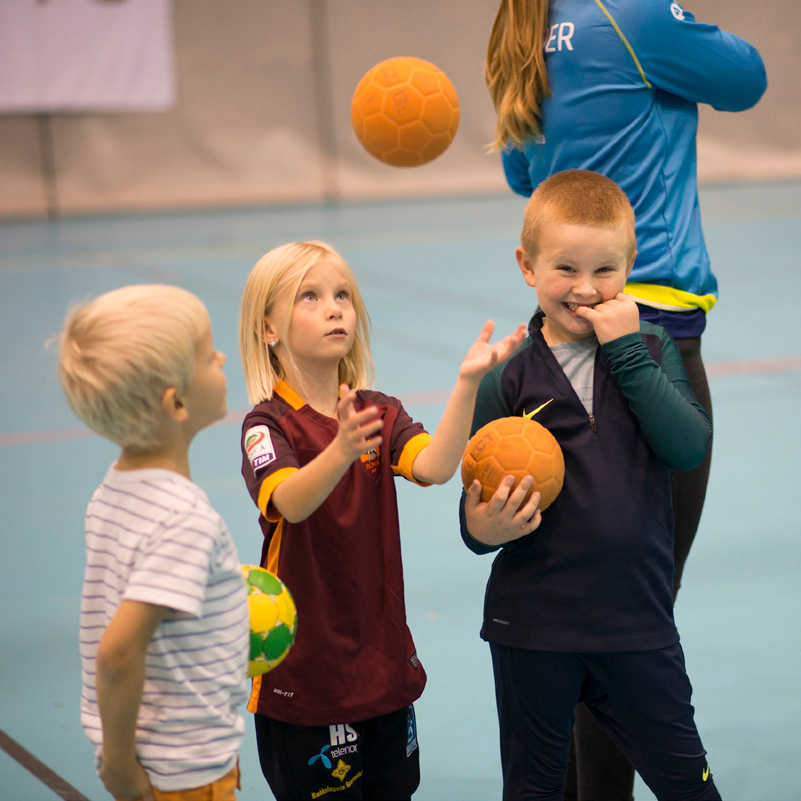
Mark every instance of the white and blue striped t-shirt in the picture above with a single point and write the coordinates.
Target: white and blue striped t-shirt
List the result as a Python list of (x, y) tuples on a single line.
[(152, 536)]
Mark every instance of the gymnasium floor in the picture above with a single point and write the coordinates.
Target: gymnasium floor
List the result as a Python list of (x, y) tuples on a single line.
[(432, 271)]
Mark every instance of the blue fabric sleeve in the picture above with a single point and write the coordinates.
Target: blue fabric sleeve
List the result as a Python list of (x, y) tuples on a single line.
[(676, 426), (692, 60), (515, 166)]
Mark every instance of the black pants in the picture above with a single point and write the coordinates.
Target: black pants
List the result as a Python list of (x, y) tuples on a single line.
[(598, 770), (642, 698), (369, 760)]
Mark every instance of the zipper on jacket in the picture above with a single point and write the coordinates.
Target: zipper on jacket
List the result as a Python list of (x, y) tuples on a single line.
[(592, 423)]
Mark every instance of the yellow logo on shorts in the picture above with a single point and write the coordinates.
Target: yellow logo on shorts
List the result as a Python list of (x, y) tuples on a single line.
[(341, 770), (705, 774)]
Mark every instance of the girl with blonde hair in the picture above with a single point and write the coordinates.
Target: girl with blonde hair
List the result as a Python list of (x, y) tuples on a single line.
[(320, 451)]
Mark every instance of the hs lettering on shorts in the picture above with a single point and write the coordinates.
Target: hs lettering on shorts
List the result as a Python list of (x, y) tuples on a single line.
[(343, 738)]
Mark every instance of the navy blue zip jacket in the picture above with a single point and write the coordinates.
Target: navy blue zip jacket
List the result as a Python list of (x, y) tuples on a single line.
[(597, 574)]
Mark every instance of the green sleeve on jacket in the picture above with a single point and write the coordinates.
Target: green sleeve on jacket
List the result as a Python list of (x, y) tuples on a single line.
[(676, 426)]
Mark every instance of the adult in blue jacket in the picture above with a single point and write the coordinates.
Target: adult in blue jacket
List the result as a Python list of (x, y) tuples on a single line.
[(613, 86)]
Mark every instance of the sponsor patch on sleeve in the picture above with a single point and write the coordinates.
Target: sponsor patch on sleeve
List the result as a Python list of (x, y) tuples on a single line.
[(259, 447)]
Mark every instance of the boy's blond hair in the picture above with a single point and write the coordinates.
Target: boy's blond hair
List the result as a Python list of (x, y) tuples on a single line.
[(284, 268), (121, 351), (577, 197)]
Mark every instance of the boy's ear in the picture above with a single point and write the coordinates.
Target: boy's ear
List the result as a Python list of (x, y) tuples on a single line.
[(526, 267), (631, 264), (173, 406)]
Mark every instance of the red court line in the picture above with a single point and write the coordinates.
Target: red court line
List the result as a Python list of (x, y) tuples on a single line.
[(776, 364), (27, 760), (46, 435)]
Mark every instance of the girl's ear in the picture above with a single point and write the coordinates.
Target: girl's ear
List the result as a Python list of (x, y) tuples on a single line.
[(526, 267), (269, 334)]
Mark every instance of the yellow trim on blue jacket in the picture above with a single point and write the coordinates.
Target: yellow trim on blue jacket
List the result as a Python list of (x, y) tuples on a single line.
[(625, 41), (669, 299)]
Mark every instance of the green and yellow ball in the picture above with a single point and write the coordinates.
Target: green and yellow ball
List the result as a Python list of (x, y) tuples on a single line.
[(273, 619)]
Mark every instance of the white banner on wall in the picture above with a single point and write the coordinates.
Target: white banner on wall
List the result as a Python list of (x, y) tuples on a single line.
[(86, 55)]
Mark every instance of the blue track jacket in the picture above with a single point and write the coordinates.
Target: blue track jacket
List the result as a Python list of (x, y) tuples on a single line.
[(626, 76)]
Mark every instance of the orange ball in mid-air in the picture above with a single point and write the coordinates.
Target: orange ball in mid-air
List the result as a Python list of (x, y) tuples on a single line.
[(514, 446), (405, 111)]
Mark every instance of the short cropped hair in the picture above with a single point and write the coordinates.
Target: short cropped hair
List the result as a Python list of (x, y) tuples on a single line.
[(577, 197), (121, 351), (284, 268)]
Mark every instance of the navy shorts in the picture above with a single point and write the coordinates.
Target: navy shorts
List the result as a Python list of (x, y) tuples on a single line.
[(370, 759), (642, 700)]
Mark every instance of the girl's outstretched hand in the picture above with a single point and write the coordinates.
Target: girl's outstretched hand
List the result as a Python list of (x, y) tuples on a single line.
[(483, 356), (305, 490), (357, 430)]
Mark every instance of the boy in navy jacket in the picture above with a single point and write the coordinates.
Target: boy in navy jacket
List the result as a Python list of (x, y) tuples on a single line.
[(579, 605)]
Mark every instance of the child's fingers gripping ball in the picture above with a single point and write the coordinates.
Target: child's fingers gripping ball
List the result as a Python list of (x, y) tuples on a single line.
[(405, 111), (519, 447), (273, 619)]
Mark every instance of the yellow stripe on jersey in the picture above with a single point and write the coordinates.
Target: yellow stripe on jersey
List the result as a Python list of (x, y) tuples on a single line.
[(409, 454), (253, 701), (266, 492), (283, 390), (275, 548), (669, 299), (624, 40)]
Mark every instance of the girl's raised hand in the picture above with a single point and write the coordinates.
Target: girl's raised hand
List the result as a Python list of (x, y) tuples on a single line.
[(358, 431), (483, 356), (303, 492)]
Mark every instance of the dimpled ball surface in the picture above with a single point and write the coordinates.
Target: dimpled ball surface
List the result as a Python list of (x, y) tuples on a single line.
[(405, 111), (273, 619), (514, 446)]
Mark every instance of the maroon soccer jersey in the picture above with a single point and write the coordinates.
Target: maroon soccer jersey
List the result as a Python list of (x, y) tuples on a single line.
[(354, 657)]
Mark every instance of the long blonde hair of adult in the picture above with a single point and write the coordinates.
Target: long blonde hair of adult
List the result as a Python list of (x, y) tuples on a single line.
[(280, 271), (515, 71)]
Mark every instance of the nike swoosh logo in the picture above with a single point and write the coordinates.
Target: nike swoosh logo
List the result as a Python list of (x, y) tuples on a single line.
[(529, 415), (705, 774)]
